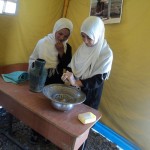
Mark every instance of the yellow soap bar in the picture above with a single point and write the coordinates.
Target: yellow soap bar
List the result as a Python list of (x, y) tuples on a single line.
[(87, 117)]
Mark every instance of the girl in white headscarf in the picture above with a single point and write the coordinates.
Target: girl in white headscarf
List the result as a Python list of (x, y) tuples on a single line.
[(55, 50), (92, 62)]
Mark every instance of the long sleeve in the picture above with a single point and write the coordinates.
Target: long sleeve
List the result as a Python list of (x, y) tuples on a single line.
[(93, 82)]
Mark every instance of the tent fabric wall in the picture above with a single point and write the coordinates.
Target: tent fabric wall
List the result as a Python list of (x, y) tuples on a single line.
[(20, 33), (125, 101), (77, 11)]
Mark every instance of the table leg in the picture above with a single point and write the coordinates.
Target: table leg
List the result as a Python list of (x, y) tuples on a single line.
[(10, 123), (82, 147)]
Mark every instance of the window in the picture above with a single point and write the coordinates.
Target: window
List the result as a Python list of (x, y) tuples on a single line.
[(8, 6)]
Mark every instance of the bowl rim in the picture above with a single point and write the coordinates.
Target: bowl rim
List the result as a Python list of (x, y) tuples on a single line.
[(66, 86)]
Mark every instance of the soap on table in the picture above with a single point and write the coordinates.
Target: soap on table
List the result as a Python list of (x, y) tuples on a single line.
[(87, 117)]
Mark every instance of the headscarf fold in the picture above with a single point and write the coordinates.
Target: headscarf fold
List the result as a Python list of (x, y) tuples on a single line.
[(89, 61)]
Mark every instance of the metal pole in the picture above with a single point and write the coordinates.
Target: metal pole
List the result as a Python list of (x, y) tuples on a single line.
[(109, 9)]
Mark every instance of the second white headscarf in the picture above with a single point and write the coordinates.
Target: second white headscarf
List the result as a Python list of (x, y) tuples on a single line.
[(89, 61)]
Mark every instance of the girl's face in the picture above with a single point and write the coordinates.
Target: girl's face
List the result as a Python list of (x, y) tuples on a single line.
[(87, 40), (62, 35)]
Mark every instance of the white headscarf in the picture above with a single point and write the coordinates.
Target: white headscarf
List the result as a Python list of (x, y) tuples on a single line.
[(45, 48), (89, 61)]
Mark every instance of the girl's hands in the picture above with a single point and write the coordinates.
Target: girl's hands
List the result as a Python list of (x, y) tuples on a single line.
[(69, 79), (68, 76)]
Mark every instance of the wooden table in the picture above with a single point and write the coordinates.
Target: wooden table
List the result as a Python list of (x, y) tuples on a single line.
[(35, 110)]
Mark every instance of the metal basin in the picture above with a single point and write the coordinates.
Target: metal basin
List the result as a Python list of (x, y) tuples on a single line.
[(63, 97)]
